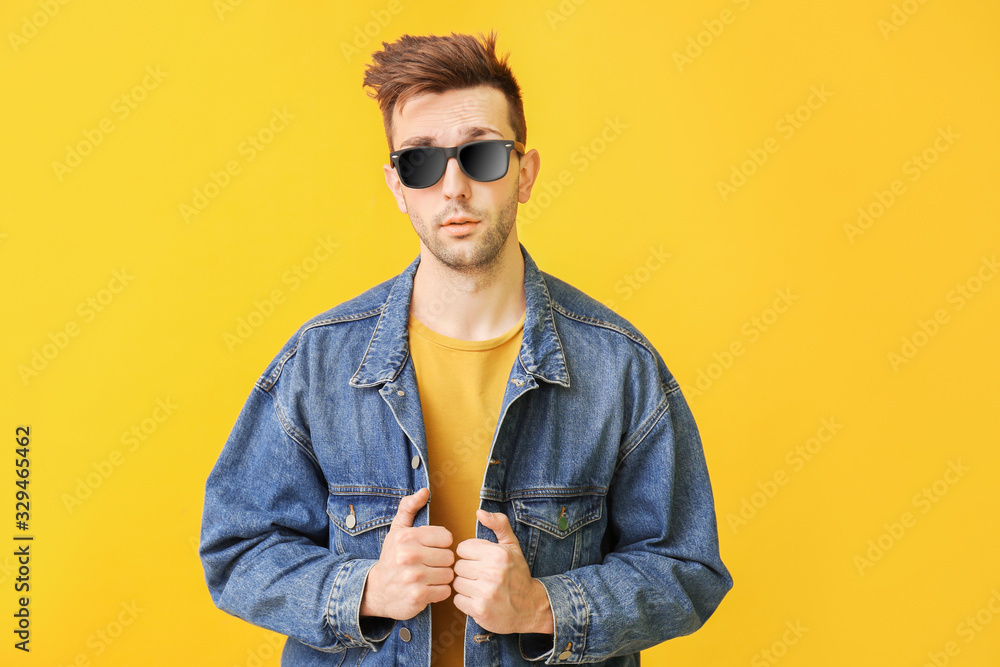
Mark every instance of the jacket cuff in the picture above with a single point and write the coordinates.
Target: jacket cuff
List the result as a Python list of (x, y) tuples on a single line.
[(344, 608), (570, 620)]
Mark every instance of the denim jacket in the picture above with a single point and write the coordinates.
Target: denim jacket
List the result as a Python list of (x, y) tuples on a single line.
[(332, 437)]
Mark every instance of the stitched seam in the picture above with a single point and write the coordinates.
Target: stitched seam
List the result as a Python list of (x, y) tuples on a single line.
[(291, 432), (268, 382), (560, 492), (548, 299), (667, 388), (345, 318), (586, 620), (368, 490), (364, 357), (273, 377), (333, 589), (644, 429), (601, 323), (339, 646)]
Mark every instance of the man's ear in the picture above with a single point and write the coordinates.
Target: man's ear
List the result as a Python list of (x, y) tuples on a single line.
[(527, 175), (392, 180)]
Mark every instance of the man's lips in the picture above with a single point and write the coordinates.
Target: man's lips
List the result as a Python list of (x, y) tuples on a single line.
[(459, 225), (458, 220)]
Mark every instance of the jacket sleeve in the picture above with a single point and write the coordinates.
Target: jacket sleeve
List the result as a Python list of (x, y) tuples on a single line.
[(663, 577), (265, 536)]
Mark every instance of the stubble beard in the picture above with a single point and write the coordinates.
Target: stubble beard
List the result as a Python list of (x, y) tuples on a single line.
[(481, 257)]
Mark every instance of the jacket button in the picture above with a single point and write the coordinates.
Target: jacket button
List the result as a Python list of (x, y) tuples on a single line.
[(565, 655), (350, 521), (401, 392), (415, 461), (404, 634)]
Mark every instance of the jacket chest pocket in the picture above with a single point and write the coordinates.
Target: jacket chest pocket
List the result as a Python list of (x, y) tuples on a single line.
[(562, 533), (360, 523)]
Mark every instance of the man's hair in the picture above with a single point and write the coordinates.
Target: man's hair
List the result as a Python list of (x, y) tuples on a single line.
[(413, 65)]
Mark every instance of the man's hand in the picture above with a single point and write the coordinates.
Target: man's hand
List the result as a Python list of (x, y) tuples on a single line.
[(494, 586), (414, 568)]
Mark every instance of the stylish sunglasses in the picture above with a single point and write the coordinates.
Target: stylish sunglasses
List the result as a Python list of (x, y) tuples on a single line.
[(484, 161)]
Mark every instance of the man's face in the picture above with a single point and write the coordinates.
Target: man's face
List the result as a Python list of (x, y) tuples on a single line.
[(449, 119)]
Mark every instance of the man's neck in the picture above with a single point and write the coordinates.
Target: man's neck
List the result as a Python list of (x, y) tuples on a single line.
[(474, 305)]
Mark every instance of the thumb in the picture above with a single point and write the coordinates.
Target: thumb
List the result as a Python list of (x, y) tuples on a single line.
[(408, 508), (500, 525)]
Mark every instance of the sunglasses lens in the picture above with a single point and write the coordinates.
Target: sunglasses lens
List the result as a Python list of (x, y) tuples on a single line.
[(484, 161), (420, 167)]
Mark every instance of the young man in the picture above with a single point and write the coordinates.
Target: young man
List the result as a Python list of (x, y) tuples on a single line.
[(473, 462)]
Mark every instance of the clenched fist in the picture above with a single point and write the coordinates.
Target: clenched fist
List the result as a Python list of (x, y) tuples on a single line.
[(414, 568)]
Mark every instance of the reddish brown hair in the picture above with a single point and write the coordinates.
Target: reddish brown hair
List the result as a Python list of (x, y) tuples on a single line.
[(433, 64)]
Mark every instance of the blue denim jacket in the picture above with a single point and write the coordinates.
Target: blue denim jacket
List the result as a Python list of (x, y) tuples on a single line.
[(591, 420)]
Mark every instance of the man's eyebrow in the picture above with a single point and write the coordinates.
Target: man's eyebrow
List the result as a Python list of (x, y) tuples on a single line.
[(469, 134)]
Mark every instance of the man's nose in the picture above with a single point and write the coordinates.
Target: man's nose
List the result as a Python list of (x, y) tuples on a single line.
[(456, 183)]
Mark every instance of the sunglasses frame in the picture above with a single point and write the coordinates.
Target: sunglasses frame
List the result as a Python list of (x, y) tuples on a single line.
[(453, 152)]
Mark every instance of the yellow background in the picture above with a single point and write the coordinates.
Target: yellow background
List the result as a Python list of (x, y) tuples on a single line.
[(126, 553)]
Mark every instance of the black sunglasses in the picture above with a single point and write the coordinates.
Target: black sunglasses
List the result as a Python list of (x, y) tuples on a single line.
[(484, 161)]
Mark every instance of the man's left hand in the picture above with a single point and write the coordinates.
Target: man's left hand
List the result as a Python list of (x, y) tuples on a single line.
[(494, 586)]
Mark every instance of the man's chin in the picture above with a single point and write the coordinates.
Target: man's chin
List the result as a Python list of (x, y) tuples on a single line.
[(467, 258)]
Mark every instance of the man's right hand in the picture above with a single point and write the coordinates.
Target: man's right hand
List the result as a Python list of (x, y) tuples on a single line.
[(414, 568)]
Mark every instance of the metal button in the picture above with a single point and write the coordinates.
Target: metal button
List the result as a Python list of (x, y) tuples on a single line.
[(565, 655), (350, 521), (401, 392), (517, 382), (404, 634), (415, 461)]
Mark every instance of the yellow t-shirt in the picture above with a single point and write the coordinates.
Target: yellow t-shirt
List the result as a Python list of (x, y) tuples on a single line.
[(461, 385)]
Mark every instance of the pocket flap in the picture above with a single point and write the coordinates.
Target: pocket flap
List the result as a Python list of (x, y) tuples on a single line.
[(558, 516), (368, 511)]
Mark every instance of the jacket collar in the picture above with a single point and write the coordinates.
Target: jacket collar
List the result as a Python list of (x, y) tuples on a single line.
[(541, 352)]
